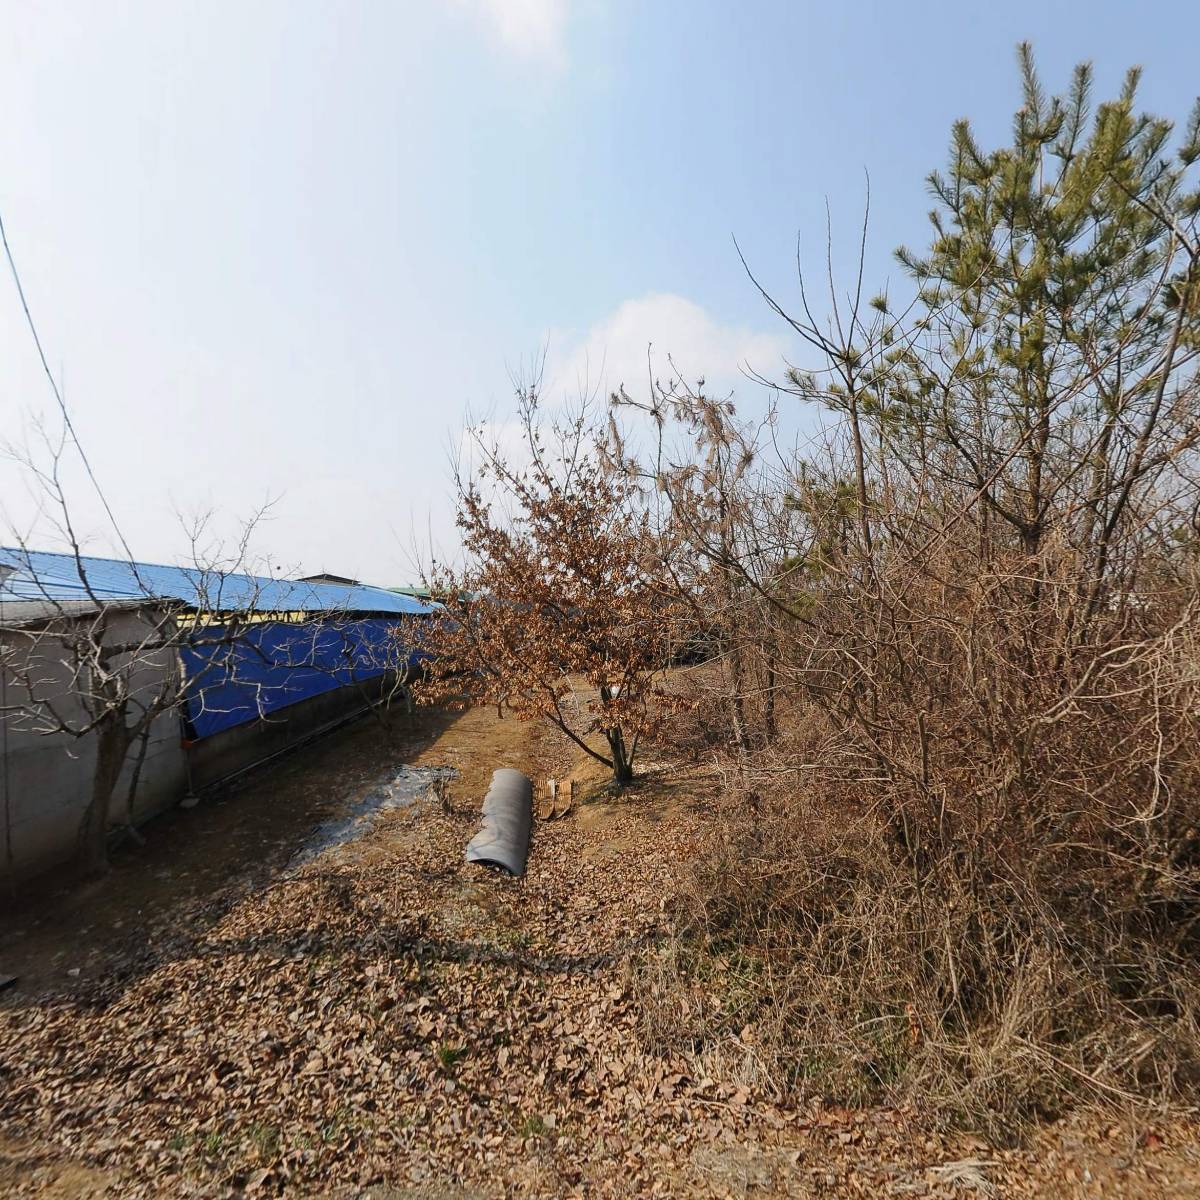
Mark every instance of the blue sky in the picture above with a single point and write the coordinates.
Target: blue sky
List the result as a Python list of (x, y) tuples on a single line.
[(281, 249)]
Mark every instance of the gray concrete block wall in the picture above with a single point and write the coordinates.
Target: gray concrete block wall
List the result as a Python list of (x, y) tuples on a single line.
[(47, 784), (46, 777)]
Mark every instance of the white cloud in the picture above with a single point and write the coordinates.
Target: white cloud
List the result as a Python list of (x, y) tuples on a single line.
[(535, 30), (660, 334)]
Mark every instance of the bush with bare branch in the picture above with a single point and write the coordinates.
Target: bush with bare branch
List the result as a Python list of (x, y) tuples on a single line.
[(971, 873), (563, 610)]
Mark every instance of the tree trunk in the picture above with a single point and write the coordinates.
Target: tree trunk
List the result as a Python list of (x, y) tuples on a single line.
[(737, 701), (112, 744), (769, 701), (622, 764), (860, 469)]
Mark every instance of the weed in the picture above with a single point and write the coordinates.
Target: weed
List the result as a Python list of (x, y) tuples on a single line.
[(515, 939), (534, 1126), (265, 1139), (449, 1056)]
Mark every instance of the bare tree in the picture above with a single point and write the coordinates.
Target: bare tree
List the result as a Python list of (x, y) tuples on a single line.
[(564, 587), (84, 664)]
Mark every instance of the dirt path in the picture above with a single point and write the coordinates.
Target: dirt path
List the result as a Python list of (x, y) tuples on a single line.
[(387, 1021)]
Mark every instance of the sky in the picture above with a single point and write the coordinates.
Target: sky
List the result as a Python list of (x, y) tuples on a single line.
[(280, 252)]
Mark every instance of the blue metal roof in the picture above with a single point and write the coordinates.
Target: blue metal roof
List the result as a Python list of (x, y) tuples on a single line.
[(41, 575)]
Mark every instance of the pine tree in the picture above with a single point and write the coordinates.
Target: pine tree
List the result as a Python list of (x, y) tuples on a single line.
[(1059, 315)]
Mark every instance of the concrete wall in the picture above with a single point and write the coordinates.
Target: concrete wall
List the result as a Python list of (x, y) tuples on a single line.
[(46, 778)]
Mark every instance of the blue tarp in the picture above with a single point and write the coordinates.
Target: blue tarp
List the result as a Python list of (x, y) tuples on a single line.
[(269, 665)]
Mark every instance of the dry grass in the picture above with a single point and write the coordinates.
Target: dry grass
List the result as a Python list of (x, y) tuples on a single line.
[(1029, 948)]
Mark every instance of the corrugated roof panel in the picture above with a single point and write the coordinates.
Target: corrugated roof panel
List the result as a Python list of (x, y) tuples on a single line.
[(43, 575)]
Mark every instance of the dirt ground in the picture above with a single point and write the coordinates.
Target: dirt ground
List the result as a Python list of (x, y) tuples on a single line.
[(245, 833), (387, 1021)]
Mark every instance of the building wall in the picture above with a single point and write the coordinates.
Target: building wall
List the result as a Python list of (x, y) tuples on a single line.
[(46, 778)]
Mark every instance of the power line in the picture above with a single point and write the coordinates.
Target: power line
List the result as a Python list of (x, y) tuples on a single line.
[(62, 406)]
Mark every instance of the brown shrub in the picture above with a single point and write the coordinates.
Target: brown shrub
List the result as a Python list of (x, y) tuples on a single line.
[(1006, 930), (958, 638)]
